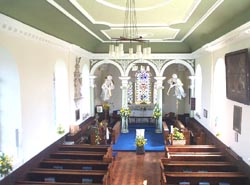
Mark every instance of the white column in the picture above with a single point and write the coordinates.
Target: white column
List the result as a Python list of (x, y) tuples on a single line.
[(92, 86), (192, 94), (124, 88), (159, 87)]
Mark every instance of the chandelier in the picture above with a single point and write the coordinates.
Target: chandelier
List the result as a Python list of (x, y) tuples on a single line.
[(130, 36)]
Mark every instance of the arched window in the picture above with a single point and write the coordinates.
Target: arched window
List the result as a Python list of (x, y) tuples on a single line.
[(10, 104), (219, 95), (198, 91), (85, 85), (61, 94)]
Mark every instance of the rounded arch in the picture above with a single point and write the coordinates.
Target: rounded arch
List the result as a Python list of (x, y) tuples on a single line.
[(139, 61), (178, 61), (61, 95), (10, 104), (96, 65), (198, 90), (85, 85), (219, 96)]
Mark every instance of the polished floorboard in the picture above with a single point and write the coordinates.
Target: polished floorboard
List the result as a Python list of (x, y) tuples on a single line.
[(132, 169)]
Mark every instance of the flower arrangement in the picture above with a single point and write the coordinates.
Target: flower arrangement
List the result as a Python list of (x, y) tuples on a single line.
[(60, 129), (177, 135), (97, 136), (140, 141), (106, 106), (156, 111), (125, 112), (5, 164)]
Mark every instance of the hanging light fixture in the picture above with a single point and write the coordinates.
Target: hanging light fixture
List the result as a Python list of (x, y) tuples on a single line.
[(130, 36)]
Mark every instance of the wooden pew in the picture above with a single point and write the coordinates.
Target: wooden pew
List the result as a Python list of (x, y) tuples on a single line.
[(194, 153), (116, 130), (87, 147), (67, 175), (197, 133), (197, 157), (192, 148), (84, 155), (165, 132), (195, 166), (75, 164), (79, 165), (26, 182), (234, 178)]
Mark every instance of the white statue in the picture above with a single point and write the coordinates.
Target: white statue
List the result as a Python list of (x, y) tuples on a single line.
[(177, 84), (107, 86)]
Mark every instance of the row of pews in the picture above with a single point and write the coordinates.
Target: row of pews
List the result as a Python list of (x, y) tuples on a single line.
[(72, 165), (199, 165)]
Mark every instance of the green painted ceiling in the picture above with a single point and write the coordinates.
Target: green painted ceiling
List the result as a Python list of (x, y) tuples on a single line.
[(172, 26)]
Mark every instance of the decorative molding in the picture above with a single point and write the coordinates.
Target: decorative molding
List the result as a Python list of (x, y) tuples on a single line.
[(153, 56), (125, 63), (238, 34), (91, 19), (157, 64), (19, 29)]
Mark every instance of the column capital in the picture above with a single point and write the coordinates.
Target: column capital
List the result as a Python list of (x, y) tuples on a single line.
[(159, 81), (124, 78), (159, 78), (92, 81), (192, 79)]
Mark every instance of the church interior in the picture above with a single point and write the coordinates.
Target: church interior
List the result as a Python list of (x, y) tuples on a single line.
[(105, 92)]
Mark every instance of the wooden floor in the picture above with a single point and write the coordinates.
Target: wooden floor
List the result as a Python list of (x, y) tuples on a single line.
[(132, 169)]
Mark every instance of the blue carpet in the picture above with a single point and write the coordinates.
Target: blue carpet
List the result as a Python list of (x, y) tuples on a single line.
[(126, 142)]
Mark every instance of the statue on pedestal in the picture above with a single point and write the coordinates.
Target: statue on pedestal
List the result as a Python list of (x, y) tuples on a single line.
[(107, 86), (178, 89)]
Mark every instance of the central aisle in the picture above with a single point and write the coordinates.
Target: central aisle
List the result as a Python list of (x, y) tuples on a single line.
[(132, 169)]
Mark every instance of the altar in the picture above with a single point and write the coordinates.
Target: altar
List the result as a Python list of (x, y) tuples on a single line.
[(141, 114)]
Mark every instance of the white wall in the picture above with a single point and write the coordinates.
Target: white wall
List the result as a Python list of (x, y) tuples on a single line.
[(207, 60), (35, 55)]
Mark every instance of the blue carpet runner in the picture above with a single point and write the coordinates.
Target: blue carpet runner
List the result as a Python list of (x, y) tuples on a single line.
[(126, 141)]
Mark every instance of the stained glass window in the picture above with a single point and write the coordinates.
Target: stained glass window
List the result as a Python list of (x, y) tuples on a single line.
[(130, 92), (143, 91)]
